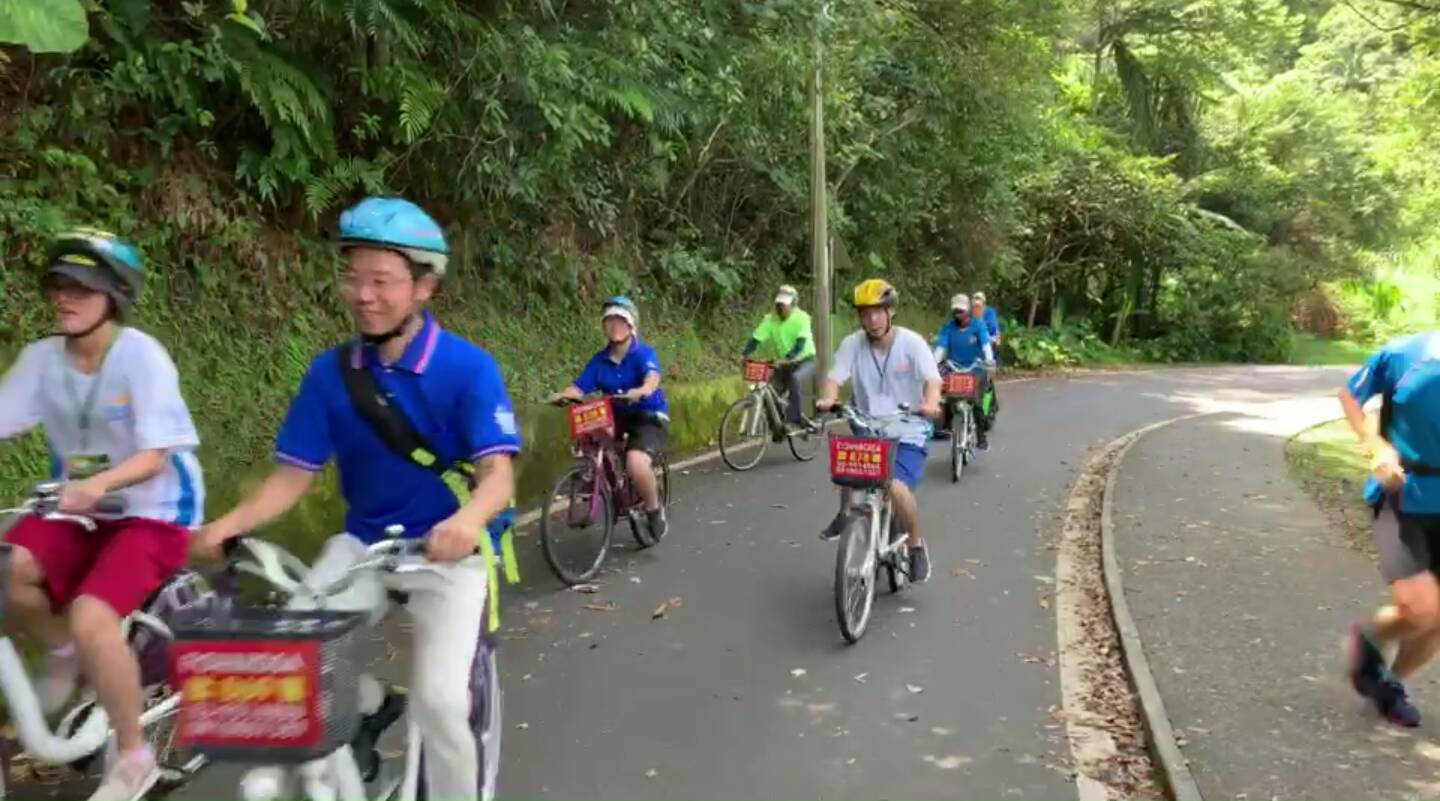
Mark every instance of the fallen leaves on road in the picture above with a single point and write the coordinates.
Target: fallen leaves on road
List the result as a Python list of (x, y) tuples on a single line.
[(1032, 659), (663, 609), (914, 689), (605, 607), (861, 677), (587, 589), (798, 672)]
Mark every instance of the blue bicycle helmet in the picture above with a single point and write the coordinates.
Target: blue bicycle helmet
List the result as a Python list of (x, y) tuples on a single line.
[(101, 261), (396, 224), (620, 306)]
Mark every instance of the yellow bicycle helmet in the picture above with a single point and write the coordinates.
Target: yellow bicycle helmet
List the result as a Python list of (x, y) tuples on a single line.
[(874, 292)]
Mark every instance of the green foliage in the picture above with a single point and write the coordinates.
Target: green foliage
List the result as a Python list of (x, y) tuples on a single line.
[(44, 26), (1067, 346)]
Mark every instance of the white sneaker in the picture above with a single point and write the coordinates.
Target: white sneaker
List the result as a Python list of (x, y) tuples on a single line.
[(62, 676), (129, 777)]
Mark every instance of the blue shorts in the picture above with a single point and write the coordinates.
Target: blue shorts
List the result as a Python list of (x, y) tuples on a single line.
[(909, 464)]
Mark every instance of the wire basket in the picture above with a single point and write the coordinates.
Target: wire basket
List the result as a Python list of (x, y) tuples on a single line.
[(267, 685)]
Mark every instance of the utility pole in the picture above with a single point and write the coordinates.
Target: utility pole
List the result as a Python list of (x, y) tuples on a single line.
[(819, 228)]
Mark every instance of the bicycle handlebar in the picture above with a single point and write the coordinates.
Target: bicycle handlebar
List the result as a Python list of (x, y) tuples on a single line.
[(286, 572), (44, 502)]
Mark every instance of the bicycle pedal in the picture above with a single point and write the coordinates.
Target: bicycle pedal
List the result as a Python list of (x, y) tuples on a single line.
[(365, 743)]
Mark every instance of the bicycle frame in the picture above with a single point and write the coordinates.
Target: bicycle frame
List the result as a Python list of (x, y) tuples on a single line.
[(602, 456), (768, 405), (878, 507)]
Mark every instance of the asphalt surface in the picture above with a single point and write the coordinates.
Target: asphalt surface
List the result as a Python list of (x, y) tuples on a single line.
[(1242, 590), (747, 690)]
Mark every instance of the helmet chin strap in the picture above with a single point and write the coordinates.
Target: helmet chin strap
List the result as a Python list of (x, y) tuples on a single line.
[(381, 339)]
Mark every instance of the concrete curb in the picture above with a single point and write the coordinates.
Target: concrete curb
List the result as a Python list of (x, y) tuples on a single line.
[(1173, 767)]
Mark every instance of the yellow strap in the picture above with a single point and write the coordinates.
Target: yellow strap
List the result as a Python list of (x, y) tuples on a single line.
[(459, 484), (507, 556)]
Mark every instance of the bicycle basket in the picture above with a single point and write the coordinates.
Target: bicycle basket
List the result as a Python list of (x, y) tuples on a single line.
[(592, 419), (961, 385), (267, 685), (861, 462), (757, 372)]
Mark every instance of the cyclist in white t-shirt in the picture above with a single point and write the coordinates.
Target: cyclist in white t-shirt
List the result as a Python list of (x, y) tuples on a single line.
[(108, 399), (889, 367)]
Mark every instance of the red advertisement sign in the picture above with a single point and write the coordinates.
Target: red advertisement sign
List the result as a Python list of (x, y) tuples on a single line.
[(962, 384), (597, 416), (860, 458), (257, 693), (757, 372)]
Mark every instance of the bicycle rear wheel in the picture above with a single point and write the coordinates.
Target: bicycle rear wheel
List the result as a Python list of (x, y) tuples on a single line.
[(897, 569), (576, 525), (957, 450), (854, 578), (638, 528), (744, 433)]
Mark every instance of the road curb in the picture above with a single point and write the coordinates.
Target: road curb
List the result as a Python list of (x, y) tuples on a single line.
[(1173, 767)]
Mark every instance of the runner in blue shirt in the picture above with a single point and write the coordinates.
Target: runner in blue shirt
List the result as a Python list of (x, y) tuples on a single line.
[(452, 393), (1404, 491), (629, 369)]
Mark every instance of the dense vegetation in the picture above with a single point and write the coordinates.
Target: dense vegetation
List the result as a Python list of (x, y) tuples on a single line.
[(1179, 179)]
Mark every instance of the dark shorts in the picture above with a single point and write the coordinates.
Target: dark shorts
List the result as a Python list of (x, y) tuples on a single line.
[(1409, 544), (644, 433), (122, 562)]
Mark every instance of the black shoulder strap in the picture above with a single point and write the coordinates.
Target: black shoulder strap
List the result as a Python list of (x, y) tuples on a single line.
[(389, 423)]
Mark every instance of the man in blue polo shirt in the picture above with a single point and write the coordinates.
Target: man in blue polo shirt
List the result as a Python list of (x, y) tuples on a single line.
[(1404, 491), (964, 340), (453, 395), (628, 369)]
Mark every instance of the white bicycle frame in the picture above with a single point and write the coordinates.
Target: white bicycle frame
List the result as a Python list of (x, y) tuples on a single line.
[(766, 411), (22, 700), (337, 775)]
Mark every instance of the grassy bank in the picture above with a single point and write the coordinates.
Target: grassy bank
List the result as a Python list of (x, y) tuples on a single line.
[(1329, 464)]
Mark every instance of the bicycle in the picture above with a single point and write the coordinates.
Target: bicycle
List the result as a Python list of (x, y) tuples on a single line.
[(322, 735), (759, 419), (962, 391), (84, 728), (578, 519), (866, 463)]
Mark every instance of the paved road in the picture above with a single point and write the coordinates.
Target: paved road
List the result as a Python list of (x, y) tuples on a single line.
[(747, 690)]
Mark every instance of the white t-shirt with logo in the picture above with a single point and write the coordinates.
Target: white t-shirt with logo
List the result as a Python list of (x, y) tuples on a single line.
[(885, 380), (137, 407)]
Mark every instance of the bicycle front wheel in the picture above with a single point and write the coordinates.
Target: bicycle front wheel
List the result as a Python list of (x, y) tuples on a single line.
[(804, 444), (854, 578), (744, 433), (576, 524)]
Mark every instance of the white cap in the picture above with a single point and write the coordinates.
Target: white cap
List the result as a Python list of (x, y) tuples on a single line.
[(979, 297), (960, 301), (787, 295), (618, 311)]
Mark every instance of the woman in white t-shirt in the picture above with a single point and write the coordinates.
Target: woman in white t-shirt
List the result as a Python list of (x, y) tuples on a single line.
[(108, 399)]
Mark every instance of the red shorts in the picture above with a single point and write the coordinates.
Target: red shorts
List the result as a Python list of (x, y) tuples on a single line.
[(121, 562)]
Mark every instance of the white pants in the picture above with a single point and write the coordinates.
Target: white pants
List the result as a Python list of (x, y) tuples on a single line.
[(451, 669)]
